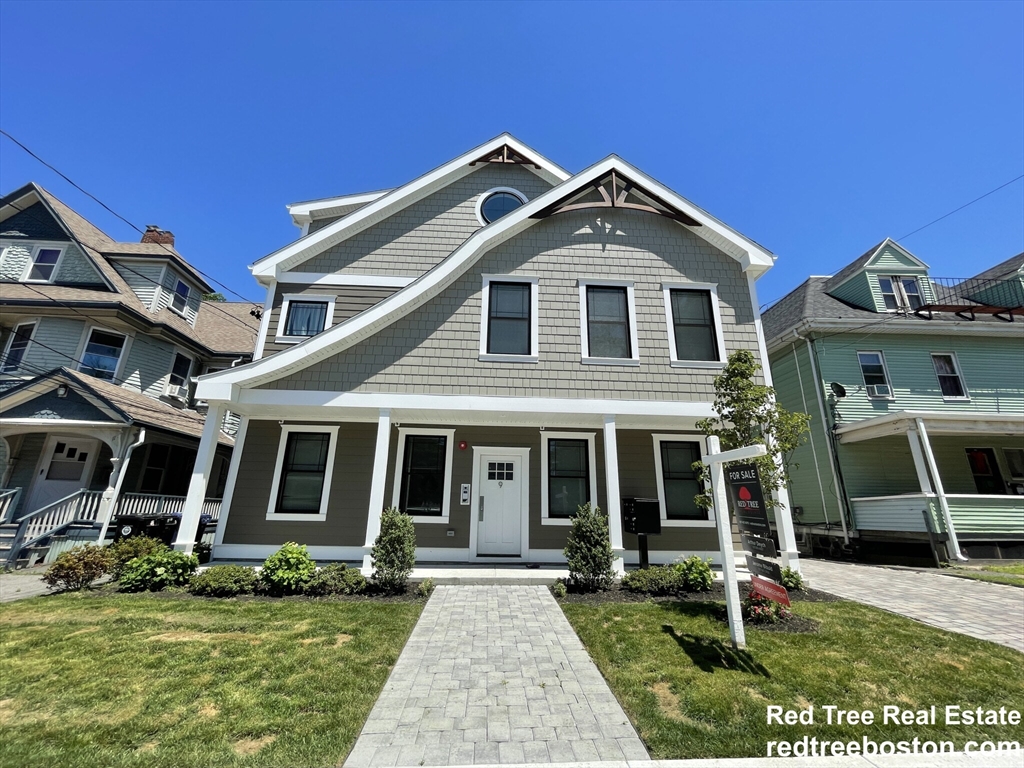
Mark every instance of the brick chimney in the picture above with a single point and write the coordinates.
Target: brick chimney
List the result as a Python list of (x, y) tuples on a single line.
[(154, 234)]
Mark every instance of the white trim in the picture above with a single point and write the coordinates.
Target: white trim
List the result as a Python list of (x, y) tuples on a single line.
[(485, 309), (613, 497), (664, 437), (263, 551), (287, 429), (229, 484), (474, 501), (36, 247), (192, 360), (84, 344), (183, 312), (396, 485), (545, 437), (885, 370), (154, 305), (268, 305), (523, 199), (345, 279), (585, 357), (674, 361), (34, 322), (370, 321), (307, 208), (378, 482), (309, 298), (966, 397)]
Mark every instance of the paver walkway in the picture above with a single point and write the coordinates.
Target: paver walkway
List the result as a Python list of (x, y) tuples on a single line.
[(494, 674), (992, 612), (21, 585)]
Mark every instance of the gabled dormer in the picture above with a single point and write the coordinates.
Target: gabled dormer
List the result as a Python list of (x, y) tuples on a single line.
[(887, 278)]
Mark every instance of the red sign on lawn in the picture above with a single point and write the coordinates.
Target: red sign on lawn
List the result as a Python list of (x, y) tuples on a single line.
[(767, 589)]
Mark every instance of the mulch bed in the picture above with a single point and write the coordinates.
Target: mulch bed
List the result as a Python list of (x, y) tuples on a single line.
[(409, 596)]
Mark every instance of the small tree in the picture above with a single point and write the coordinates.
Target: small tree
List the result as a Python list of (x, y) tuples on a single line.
[(394, 550), (588, 550), (748, 414)]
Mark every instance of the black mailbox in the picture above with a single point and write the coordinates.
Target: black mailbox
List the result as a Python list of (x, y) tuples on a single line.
[(641, 516)]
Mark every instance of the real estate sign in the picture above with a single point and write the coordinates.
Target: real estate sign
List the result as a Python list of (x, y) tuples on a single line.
[(765, 568), (758, 545), (769, 589), (747, 499)]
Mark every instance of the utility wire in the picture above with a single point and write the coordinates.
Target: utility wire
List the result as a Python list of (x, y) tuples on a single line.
[(991, 191)]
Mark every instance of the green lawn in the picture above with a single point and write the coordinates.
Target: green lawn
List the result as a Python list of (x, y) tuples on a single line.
[(1011, 573), (138, 680), (690, 695)]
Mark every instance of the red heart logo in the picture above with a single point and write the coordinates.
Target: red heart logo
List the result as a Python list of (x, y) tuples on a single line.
[(744, 493)]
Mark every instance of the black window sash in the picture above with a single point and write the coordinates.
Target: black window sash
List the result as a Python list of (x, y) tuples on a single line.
[(493, 314), (683, 323), (319, 314), (290, 468), (554, 474), (670, 473), (624, 322), (425, 480)]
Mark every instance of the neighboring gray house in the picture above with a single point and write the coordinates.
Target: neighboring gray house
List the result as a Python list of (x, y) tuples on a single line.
[(486, 348), (100, 343)]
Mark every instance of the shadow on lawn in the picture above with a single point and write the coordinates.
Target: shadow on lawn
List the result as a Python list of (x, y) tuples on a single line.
[(709, 653)]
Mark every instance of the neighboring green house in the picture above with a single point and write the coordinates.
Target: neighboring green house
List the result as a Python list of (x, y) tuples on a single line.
[(915, 386)]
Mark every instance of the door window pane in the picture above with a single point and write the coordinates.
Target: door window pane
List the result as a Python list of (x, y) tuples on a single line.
[(423, 475), (44, 264), (568, 476), (608, 322), (102, 354), (302, 476), (509, 319), (694, 325), (680, 481), (19, 344), (305, 318)]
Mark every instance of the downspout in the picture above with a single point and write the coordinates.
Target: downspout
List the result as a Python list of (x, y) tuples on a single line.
[(117, 485), (929, 457), (832, 458)]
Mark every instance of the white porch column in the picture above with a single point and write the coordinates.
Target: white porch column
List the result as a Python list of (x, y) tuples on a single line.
[(380, 476), (185, 540), (952, 545), (784, 525), (919, 463), (611, 477)]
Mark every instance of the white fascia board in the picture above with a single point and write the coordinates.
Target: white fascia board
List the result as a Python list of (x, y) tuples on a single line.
[(900, 421), (394, 201), (890, 242), (897, 327), (368, 322), (302, 212)]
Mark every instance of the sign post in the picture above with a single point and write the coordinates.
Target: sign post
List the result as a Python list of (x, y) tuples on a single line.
[(714, 460)]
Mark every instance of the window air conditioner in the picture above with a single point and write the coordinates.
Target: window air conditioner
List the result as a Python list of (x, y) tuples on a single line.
[(879, 390), (179, 393)]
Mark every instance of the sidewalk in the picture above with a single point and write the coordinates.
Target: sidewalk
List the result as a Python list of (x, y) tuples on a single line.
[(950, 760), (22, 585)]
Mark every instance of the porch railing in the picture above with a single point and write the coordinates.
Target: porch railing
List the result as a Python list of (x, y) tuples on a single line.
[(8, 503), (971, 513), (975, 513), (153, 504), (82, 506), (896, 513)]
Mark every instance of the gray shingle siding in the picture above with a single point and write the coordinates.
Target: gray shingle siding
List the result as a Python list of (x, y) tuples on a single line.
[(54, 344), (74, 267), (147, 366), (35, 222), (434, 349), (418, 237), (15, 260), (143, 279), (50, 406)]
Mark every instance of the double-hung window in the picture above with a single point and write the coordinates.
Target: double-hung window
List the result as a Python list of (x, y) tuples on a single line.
[(423, 473), (900, 292), (43, 265), (876, 380), (678, 483), (17, 346), (179, 299), (567, 475), (102, 354), (302, 478), (608, 334), (694, 325), (948, 373), (180, 370), (304, 315), (508, 321)]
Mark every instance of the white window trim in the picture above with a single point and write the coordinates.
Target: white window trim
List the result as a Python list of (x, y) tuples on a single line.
[(170, 369), (547, 436), (585, 357), (34, 322), (286, 301), (902, 299), (36, 248), (174, 292), (674, 361), (959, 374), (287, 429), (660, 438), (84, 344), (484, 195), (396, 485), (485, 309), (885, 369)]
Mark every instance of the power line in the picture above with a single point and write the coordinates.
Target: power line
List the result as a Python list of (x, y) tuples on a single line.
[(991, 191)]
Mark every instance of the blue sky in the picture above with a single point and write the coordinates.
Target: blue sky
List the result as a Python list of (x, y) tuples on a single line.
[(815, 129)]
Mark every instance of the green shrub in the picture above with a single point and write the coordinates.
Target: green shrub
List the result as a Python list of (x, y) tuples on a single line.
[(120, 552), (588, 550), (426, 588), (394, 551), (695, 574), (761, 610), (558, 589), (224, 581), (792, 580), (158, 571), (77, 568), (656, 580), (203, 551), (335, 579), (286, 571)]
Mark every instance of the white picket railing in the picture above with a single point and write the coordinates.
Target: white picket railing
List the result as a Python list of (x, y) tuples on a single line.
[(153, 504), (82, 506), (8, 501)]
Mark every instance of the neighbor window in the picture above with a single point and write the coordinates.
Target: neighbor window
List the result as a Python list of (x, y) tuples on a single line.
[(568, 476), (508, 322), (102, 354), (44, 263), (180, 370), (423, 475), (17, 347), (608, 331), (301, 485), (872, 367), (900, 292), (694, 330), (1015, 462), (180, 298), (948, 373), (679, 482), (305, 318)]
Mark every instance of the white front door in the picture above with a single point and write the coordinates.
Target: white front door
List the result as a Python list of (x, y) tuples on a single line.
[(500, 516), (66, 466)]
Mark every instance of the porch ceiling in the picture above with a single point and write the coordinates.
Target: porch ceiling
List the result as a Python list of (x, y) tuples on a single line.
[(937, 423)]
